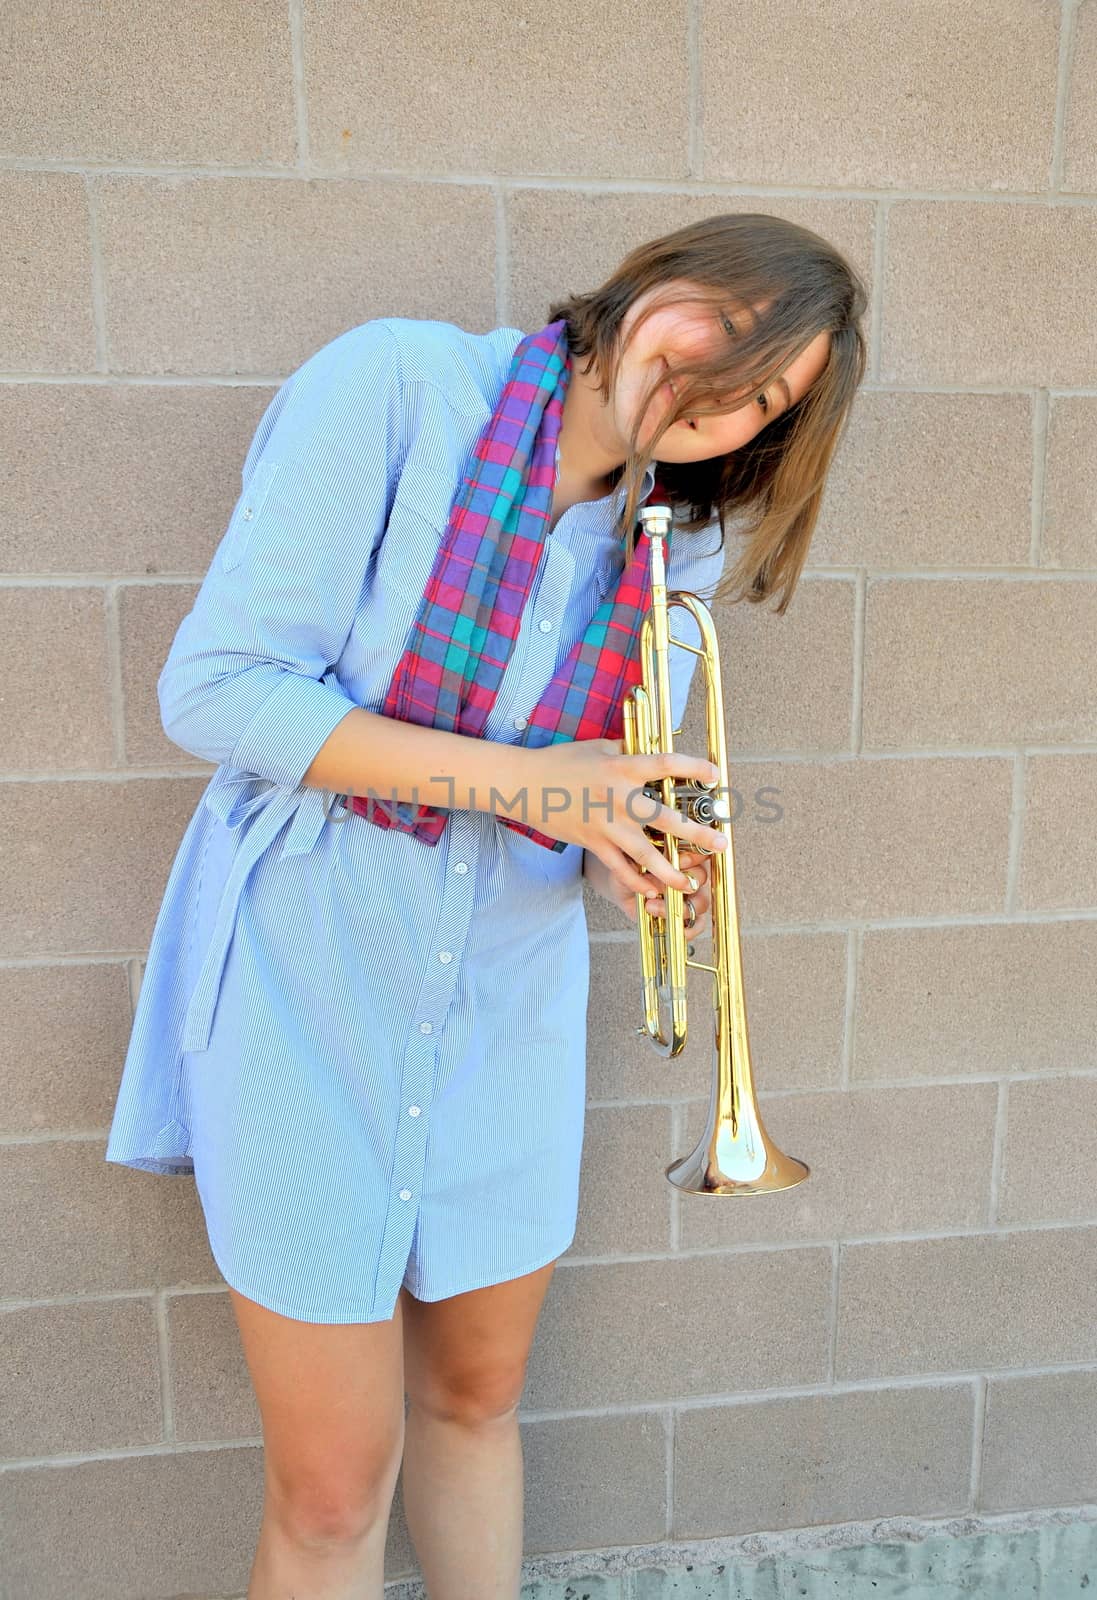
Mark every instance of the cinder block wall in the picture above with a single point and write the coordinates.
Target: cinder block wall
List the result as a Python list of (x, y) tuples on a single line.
[(192, 201)]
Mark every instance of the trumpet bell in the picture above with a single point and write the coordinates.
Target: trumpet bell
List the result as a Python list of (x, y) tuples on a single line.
[(735, 1155)]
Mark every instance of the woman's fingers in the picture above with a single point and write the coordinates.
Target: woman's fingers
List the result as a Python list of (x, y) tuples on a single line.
[(648, 811), (697, 866), (693, 861), (694, 872), (700, 903), (655, 862), (688, 832), (631, 878)]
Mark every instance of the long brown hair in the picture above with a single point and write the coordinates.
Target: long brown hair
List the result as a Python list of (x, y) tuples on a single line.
[(776, 480)]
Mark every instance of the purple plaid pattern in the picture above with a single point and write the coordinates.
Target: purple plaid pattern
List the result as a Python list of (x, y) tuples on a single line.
[(471, 610)]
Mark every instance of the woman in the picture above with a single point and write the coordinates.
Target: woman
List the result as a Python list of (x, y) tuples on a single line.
[(362, 1021)]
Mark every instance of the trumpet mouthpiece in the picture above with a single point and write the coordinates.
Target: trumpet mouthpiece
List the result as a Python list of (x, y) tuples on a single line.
[(656, 520)]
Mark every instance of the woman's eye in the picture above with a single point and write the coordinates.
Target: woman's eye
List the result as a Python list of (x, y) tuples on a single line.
[(763, 403), (729, 326)]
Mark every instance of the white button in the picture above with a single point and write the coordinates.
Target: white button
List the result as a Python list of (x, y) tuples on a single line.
[(445, 955), (426, 1027), (460, 866), (247, 513), (519, 722), (405, 1194), (545, 625), (413, 1111)]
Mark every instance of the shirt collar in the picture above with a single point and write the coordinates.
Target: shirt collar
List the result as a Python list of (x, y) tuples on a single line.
[(601, 515), (609, 508), (591, 537)]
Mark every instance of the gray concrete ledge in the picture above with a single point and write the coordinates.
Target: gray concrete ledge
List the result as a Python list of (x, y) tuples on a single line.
[(1038, 1555)]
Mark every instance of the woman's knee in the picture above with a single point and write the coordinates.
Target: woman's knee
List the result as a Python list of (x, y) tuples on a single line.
[(465, 1357), (473, 1397), (331, 1398), (331, 1506)]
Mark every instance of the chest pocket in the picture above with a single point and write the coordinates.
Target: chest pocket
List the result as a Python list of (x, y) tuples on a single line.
[(432, 472), (407, 552)]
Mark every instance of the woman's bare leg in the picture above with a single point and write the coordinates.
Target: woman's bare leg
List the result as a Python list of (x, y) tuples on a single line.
[(465, 1368), (331, 1399)]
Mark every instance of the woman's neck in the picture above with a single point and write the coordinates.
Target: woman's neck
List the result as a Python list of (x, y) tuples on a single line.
[(590, 453)]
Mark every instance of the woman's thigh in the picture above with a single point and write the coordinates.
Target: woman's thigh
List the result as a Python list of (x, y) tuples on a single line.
[(465, 1357), (331, 1398)]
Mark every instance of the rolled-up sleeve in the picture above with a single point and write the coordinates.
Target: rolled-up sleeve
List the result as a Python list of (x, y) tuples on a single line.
[(695, 565), (242, 681)]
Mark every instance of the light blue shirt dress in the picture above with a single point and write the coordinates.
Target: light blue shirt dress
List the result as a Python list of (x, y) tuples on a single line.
[(370, 1051)]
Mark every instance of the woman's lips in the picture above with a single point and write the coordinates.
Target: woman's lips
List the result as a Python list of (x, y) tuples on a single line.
[(668, 388)]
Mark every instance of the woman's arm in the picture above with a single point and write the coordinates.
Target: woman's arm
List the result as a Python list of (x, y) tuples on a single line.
[(242, 683), (577, 791), (370, 754)]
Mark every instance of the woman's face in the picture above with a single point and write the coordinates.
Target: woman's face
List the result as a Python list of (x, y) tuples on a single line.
[(683, 332)]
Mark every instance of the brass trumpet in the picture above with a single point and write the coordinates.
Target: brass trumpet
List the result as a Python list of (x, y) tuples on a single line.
[(734, 1155)]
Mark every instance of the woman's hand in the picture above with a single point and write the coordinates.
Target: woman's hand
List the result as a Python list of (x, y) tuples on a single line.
[(589, 792), (620, 893)]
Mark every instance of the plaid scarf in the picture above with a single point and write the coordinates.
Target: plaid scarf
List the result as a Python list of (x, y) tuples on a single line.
[(468, 620)]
